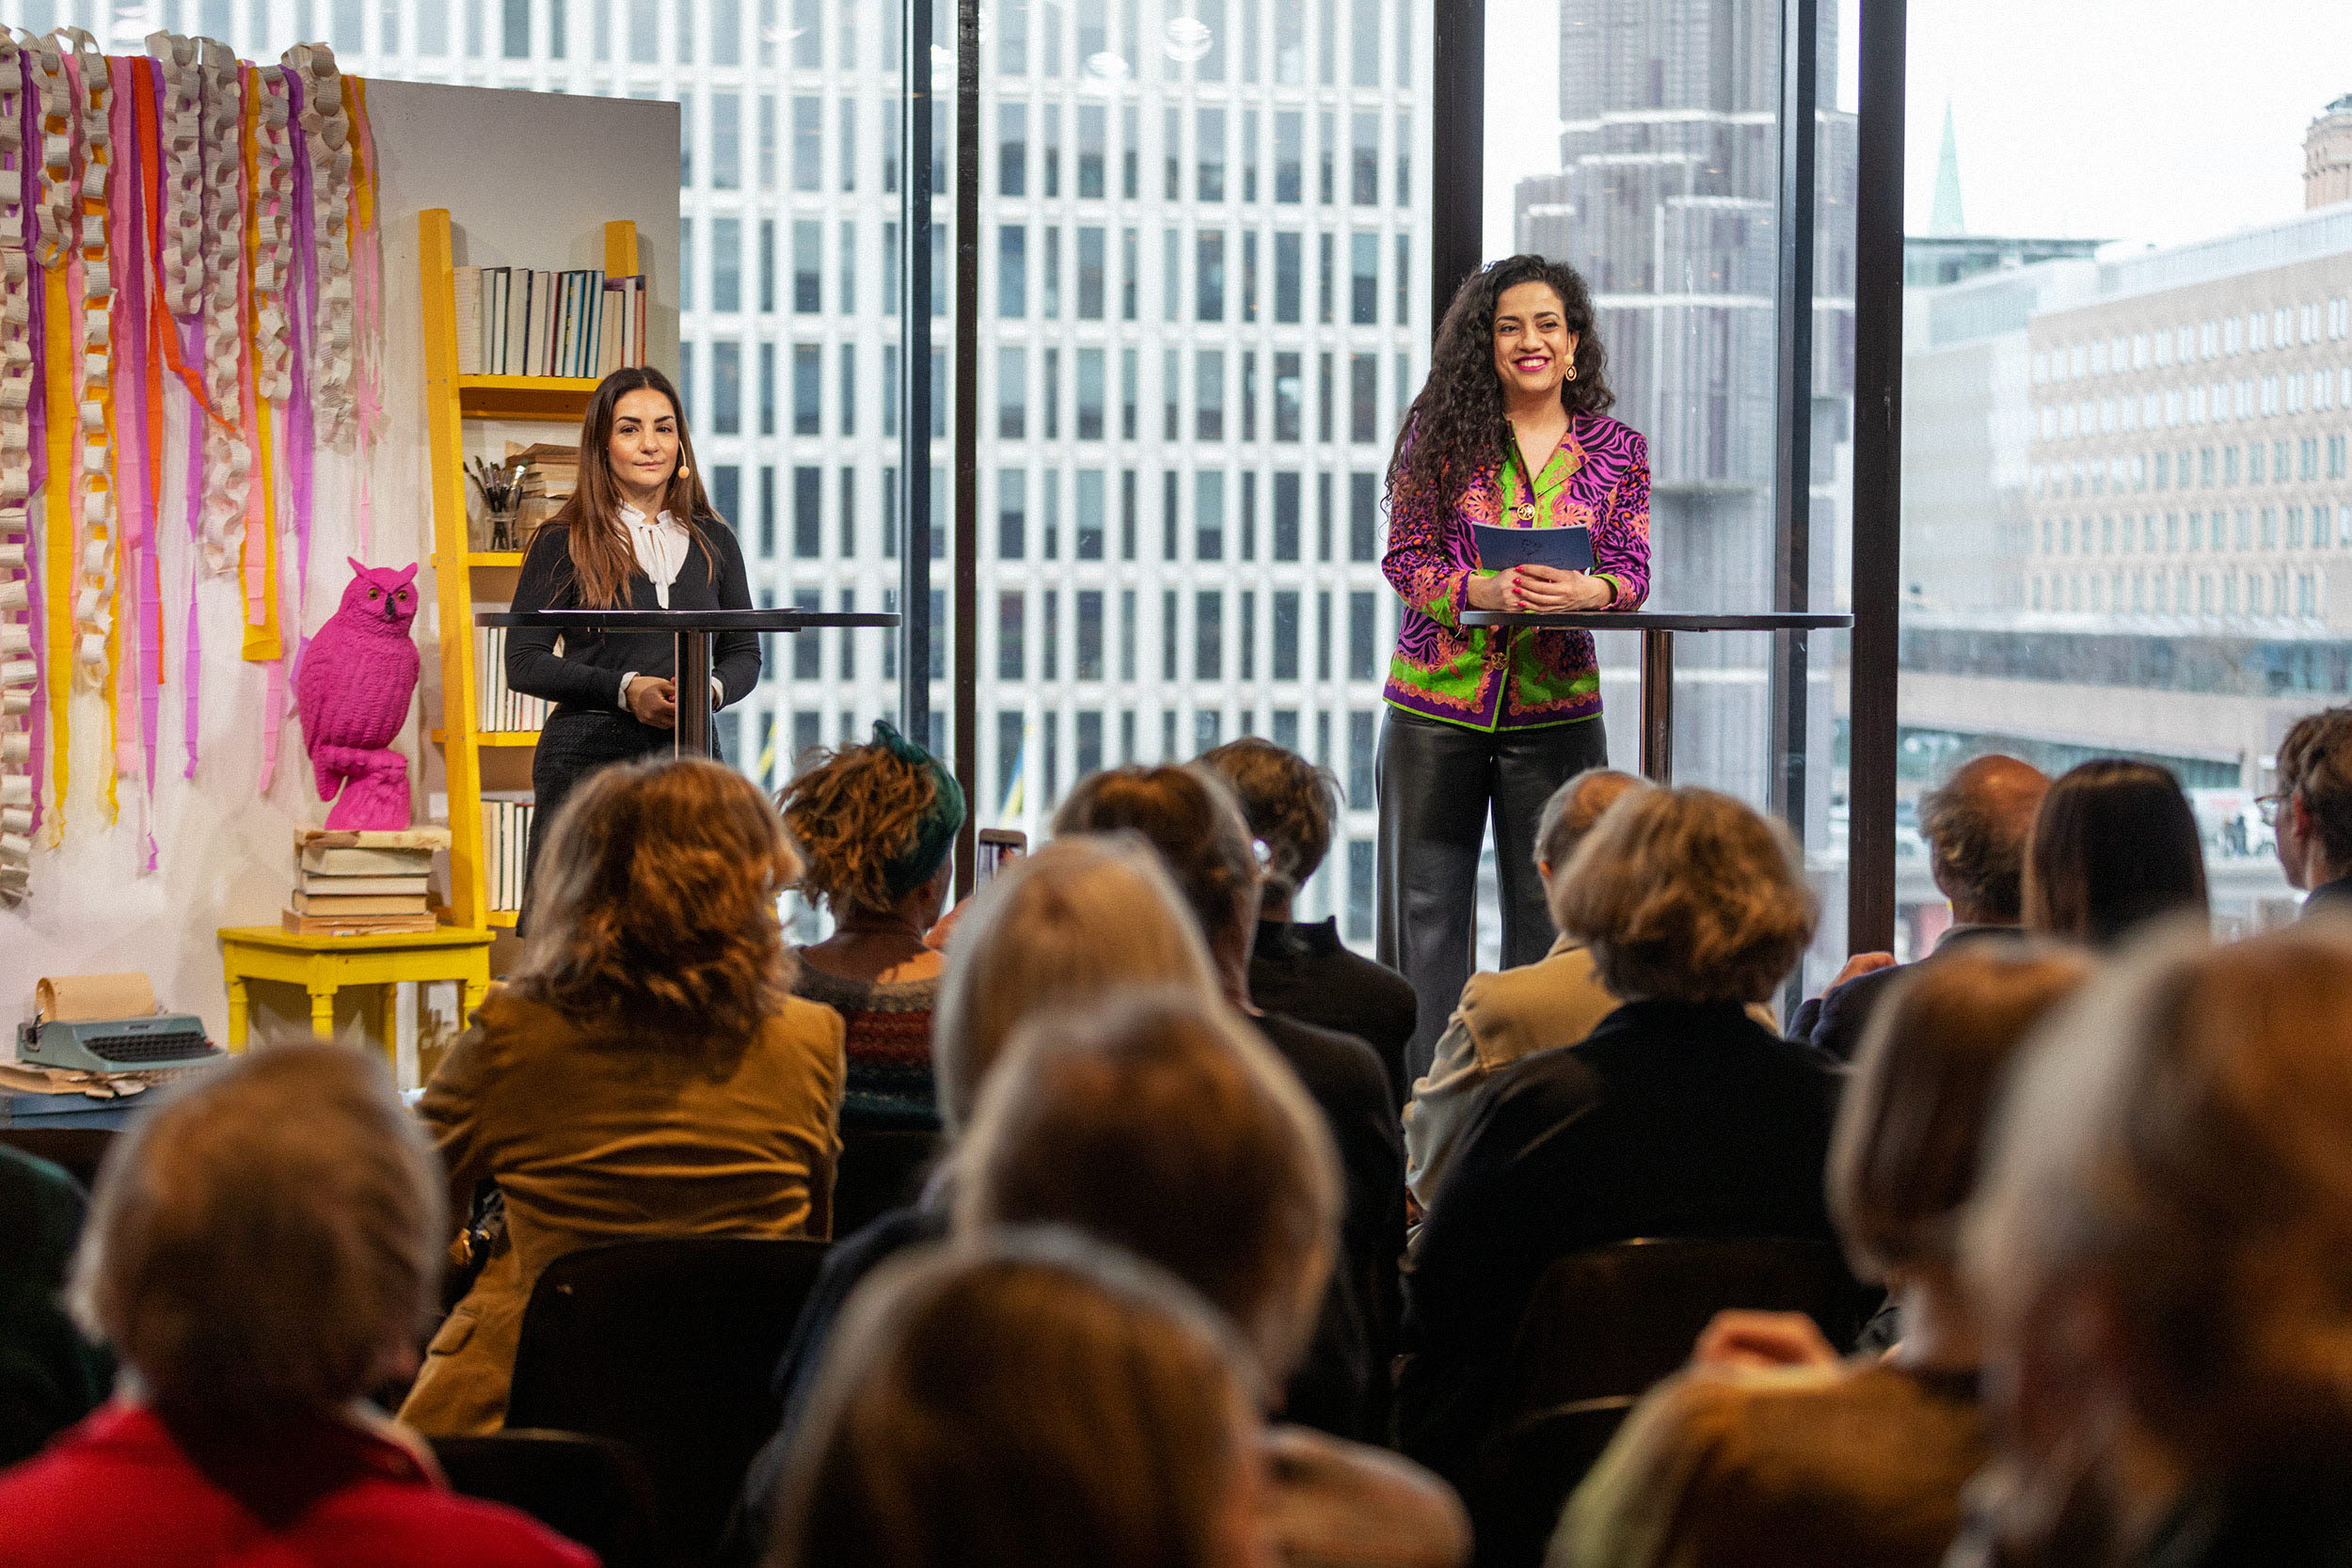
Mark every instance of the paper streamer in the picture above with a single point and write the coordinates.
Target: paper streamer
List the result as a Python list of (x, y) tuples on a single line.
[(20, 671)]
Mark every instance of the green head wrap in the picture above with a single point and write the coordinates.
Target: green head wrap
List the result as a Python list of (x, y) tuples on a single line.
[(935, 835)]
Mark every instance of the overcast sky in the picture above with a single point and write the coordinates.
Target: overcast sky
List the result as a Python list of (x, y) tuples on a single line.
[(2152, 120)]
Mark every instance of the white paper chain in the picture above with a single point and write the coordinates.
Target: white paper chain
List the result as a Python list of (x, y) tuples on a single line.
[(273, 253), (181, 148), (17, 670), (94, 552), (326, 141), (56, 148), (228, 459)]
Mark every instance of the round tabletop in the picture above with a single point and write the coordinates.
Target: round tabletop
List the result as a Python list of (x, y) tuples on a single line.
[(1645, 620), (686, 620)]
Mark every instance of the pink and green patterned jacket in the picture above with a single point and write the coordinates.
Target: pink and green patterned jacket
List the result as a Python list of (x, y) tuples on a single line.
[(1599, 479)]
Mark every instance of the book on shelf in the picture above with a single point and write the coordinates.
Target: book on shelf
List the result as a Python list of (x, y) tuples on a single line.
[(358, 926), (427, 837), (317, 884), (498, 707), (308, 903), (507, 833), (551, 473), (365, 863), (515, 321)]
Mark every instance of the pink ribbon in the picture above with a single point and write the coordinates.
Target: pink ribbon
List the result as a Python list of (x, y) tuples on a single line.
[(134, 475), (37, 419)]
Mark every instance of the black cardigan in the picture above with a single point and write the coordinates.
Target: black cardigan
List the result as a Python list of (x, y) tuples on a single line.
[(587, 674)]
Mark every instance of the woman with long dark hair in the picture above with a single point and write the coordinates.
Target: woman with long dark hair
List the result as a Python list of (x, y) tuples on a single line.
[(1509, 432), (2114, 846), (638, 533)]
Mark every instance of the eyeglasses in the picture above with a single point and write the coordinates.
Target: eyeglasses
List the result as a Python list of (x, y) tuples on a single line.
[(2270, 806)]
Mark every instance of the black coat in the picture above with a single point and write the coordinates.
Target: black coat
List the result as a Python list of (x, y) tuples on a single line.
[(1670, 1118), (1833, 1022), (1303, 971)]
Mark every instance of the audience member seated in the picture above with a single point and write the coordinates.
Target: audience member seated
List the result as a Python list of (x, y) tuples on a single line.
[(1975, 827), (1032, 1400), (50, 1376), (2115, 846), (1188, 815), (263, 1249), (875, 826), (2312, 808), (1678, 1115), (2163, 1257), (1164, 1126), (643, 1072), (1770, 1451), (1540, 1007), (1073, 923), (1299, 970)]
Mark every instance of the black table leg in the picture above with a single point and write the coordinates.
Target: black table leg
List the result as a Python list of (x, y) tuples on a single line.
[(1658, 705), (694, 693)]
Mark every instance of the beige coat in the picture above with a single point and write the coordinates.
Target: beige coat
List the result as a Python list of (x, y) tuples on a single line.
[(597, 1140)]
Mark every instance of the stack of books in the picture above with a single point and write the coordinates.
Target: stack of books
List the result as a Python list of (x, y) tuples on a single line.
[(507, 826), (350, 884), (551, 473), (502, 708), (511, 321)]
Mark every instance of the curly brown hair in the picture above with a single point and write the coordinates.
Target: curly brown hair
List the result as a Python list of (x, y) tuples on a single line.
[(1288, 801), (1188, 815), (850, 815), (654, 906), (1455, 427)]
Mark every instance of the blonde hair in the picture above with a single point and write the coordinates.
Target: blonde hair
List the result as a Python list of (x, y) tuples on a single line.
[(853, 814), (264, 1242), (1016, 1400), (1079, 918), (1911, 1127), (1161, 1123), (1686, 893), (654, 904), (2176, 1147)]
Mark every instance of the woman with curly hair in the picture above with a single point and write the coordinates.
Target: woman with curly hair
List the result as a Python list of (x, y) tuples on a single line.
[(645, 1070), (1508, 433), (875, 826)]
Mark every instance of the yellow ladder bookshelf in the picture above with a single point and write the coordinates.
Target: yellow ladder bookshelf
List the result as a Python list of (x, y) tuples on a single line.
[(464, 577)]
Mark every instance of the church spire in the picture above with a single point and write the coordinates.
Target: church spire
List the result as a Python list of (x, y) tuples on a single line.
[(1946, 218)]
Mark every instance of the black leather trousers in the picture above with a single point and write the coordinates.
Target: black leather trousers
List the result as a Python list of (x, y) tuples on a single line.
[(1439, 785)]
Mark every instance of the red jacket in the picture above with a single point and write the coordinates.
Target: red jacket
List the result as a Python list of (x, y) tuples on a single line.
[(119, 1491)]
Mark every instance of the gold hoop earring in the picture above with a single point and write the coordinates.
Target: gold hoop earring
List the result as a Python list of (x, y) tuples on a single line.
[(1571, 371)]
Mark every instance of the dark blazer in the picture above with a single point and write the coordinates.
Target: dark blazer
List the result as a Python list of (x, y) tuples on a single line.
[(587, 674), (1670, 1118), (2330, 898), (1833, 1022), (1303, 971)]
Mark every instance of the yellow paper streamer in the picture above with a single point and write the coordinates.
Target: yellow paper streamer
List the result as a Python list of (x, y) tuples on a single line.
[(262, 642)]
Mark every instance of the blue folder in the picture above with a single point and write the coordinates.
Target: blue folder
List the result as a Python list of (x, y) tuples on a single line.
[(1501, 548)]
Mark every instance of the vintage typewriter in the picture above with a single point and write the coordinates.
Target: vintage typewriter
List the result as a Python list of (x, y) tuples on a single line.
[(158, 1043)]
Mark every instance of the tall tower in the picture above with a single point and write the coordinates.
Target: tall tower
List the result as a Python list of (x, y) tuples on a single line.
[(1946, 218), (2327, 155)]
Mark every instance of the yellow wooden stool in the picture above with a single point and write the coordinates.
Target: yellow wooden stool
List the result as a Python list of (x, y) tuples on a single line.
[(322, 965)]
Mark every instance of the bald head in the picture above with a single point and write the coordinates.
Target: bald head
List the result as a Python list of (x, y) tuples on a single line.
[(1975, 827)]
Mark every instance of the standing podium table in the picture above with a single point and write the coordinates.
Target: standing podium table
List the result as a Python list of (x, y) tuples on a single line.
[(1658, 630), (690, 630)]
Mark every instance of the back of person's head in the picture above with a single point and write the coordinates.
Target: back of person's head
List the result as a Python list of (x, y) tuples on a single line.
[(1912, 1123), (654, 903), (264, 1243), (1573, 809), (1977, 825), (2164, 1229), (1288, 803), (1163, 1124), (1685, 895), (2316, 769), (872, 822), (1082, 917), (1189, 817), (2114, 845), (1022, 1400)]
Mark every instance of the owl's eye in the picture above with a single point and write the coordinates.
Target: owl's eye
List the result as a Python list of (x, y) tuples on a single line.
[(375, 592), (403, 595)]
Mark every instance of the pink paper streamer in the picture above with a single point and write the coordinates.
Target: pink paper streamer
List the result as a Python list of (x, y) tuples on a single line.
[(37, 421), (135, 487)]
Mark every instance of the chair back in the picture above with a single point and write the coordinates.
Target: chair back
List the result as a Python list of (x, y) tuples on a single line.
[(1602, 1326), (881, 1167), (79, 1149), (671, 1347), (591, 1490)]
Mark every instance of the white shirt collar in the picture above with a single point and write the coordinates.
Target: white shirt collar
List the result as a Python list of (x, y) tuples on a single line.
[(635, 518)]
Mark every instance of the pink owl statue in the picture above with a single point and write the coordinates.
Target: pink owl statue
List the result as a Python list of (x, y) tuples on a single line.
[(353, 691)]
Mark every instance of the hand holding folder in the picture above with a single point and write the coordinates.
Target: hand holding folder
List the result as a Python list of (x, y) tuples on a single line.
[(1567, 549)]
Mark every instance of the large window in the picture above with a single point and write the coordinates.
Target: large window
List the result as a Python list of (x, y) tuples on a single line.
[(2125, 532)]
